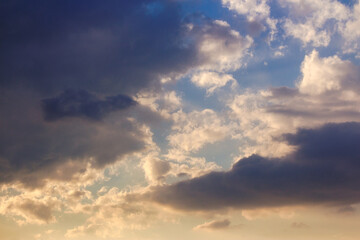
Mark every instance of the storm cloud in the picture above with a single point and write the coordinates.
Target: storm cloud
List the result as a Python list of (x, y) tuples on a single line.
[(64, 63), (33, 150), (110, 46), (324, 169), (80, 103)]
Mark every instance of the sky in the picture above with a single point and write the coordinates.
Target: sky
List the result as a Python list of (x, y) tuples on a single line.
[(179, 119)]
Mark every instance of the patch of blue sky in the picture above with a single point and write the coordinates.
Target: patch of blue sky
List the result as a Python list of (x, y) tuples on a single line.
[(195, 98), (266, 70), (349, 3)]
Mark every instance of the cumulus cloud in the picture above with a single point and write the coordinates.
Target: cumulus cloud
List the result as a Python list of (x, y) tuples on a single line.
[(211, 80), (310, 21), (326, 91), (350, 30), (317, 23), (195, 129), (219, 48), (252, 9), (256, 12), (323, 170), (322, 75)]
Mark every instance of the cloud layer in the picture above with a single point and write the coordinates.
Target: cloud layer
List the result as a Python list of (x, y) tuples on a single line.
[(323, 170), (80, 103)]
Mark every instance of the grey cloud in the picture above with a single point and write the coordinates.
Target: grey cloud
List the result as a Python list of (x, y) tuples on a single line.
[(323, 170), (255, 28), (109, 46), (80, 103), (40, 211), (311, 110), (33, 150), (284, 92)]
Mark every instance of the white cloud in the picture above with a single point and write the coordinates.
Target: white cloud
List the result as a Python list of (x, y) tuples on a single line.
[(155, 169), (25, 209), (211, 80), (313, 22), (254, 10), (328, 91), (321, 75), (193, 130), (115, 212), (351, 30), (220, 48)]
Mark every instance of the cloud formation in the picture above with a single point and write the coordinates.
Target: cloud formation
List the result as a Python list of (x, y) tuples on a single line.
[(33, 150), (323, 170), (108, 47), (80, 103)]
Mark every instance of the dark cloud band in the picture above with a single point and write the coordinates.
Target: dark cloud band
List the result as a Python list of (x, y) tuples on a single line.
[(80, 103), (325, 169)]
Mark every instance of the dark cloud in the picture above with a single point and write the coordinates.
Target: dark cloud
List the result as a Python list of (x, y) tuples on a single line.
[(39, 211), (80, 103), (325, 169), (109, 46), (33, 150), (105, 48), (284, 92)]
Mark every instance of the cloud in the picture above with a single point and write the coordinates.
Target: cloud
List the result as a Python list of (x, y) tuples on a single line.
[(80, 103), (323, 170), (350, 30), (214, 225), (326, 91), (191, 131), (111, 214), (131, 46), (211, 80), (156, 169), (33, 150), (109, 53), (108, 47), (329, 74), (30, 210), (311, 21), (219, 48), (257, 14), (252, 9)]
